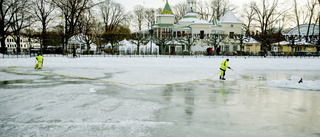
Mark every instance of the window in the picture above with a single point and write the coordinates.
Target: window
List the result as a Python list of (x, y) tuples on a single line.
[(231, 25), (226, 48), (235, 47), (231, 35), (201, 34), (179, 49)]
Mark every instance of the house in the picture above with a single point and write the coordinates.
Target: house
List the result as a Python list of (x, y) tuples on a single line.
[(192, 25), (25, 45), (286, 47), (80, 43), (301, 43), (251, 46)]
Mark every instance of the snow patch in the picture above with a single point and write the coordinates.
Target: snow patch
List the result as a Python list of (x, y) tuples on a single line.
[(293, 83)]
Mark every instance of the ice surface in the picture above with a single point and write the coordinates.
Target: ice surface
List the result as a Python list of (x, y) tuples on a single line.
[(159, 96)]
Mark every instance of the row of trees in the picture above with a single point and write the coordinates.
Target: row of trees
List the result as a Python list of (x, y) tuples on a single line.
[(55, 21)]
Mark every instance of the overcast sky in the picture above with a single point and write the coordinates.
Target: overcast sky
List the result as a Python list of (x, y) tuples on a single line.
[(129, 4)]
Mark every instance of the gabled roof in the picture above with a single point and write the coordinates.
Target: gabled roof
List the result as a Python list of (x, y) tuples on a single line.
[(167, 9), (229, 17)]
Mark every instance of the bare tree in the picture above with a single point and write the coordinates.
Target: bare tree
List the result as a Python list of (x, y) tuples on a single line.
[(215, 40), (297, 15), (113, 15), (189, 40), (8, 9), (115, 23), (72, 11), (311, 7), (163, 40), (139, 39), (42, 10), (266, 15), (179, 11), (204, 11), (86, 31), (138, 16), (158, 10), (97, 31), (248, 15), (150, 17), (18, 23), (220, 7)]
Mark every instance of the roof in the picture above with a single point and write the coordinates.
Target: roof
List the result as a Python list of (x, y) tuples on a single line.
[(191, 15), (167, 9), (297, 42), (250, 40), (192, 19), (229, 17), (313, 30)]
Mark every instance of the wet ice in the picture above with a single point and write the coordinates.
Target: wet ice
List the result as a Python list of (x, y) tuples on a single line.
[(68, 98)]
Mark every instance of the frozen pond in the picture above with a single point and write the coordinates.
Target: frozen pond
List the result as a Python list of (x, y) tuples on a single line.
[(157, 97)]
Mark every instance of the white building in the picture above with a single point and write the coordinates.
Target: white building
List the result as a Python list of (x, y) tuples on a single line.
[(192, 25), (126, 47), (25, 45), (79, 41)]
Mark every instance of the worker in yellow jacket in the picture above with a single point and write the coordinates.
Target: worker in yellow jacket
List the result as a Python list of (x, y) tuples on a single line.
[(40, 62), (223, 68)]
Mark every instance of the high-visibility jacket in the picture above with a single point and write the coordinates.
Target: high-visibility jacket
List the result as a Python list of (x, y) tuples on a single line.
[(224, 65), (39, 58)]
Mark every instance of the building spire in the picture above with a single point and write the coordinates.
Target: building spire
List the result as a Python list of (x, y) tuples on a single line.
[(167, 9)]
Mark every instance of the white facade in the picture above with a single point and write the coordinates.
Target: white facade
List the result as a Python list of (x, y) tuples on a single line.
[(192, 25), (79, 41), (128, 48), (11, 44)]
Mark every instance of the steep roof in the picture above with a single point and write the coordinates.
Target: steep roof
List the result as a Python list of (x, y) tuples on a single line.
[(167, 9), (229, 17)]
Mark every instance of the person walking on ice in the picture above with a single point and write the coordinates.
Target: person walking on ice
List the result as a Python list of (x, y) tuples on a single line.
[(40, 60), (223, 68)]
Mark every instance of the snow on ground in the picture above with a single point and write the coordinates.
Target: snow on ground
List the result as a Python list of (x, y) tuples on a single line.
[(164, 70), (293, 82), (159, 96)]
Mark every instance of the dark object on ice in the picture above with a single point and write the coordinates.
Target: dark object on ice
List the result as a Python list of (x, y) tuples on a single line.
[(300, 81)]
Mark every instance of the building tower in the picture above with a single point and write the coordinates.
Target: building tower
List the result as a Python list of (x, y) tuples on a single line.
[(192, 6)]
